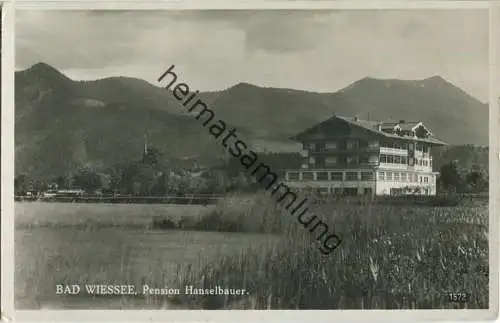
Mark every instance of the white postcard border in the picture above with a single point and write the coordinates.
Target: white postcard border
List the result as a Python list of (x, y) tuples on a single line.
[(7, 189)]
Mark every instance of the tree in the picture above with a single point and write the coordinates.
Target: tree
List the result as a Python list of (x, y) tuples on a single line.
[(20, 184), (160, 185), (62, 182), (87, 180), (449, 177), (476, 179), (152, 157)]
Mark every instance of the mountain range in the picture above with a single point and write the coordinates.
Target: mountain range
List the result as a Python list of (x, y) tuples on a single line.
[(63, 124)]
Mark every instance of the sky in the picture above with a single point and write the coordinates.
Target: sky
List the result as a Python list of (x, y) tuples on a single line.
[(323, 50)]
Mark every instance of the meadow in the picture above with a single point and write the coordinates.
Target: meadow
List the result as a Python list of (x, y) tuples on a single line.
[(391, 257)]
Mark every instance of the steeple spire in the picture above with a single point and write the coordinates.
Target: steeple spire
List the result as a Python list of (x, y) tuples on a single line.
[(145, 152)]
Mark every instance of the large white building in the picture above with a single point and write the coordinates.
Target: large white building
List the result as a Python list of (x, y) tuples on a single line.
[(349, 156)]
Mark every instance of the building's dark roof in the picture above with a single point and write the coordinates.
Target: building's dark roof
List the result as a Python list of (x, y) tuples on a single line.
[(373, 126), (409, 125)]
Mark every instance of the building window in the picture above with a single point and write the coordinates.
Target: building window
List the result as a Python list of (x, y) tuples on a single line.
[(366, 176), (389, 176), (322, 176), (381, 176), (352, 144), (410, 146), (405, 146), (383, 158), (426, 180), (331, 145), (336, 176), (323, 190), (367, 191), (390, 159), (363, 160), (293, 176), (350, 191), (415, 178), (331, 160), (338, 191), (307, 176), (396, 177), (404, 160), (425, 162), (397, 159), (395, 191), (410, 161), (420, 179), (351, 176), (320, 146), (352, 160), (320, 161)]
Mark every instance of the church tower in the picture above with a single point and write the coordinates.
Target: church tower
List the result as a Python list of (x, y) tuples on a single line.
[(145, 152)]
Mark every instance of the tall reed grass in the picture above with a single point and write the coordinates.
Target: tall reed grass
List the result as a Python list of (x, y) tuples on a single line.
[(391, 257), (255, 213)]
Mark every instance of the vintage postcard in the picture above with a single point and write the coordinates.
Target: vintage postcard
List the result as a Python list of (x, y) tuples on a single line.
[(273, 156)]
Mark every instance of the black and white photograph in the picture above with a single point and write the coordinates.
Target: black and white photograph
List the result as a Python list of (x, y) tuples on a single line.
[(328, 159)]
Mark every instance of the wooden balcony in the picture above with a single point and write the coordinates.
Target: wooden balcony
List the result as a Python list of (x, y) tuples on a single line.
[(344, 166), (358, 150)]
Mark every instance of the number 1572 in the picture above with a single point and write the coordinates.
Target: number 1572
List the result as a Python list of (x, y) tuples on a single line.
[(457, 297)]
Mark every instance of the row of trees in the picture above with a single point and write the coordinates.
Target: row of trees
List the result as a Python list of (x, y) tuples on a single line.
[(453, 179), (153, 175)]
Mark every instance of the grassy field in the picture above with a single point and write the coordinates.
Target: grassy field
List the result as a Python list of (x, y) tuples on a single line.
[(58, 243), (391, 257), (85, 215)]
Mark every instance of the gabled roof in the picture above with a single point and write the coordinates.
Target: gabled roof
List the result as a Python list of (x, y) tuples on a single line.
[(373, 126), (409, 125)]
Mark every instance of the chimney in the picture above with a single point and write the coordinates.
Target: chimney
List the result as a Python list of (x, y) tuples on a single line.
[(356, 118), (379, 126), (401, 121)]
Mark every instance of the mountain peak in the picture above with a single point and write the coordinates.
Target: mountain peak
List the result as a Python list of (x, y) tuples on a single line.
[(435, 79), (244, 85), (41, 66), (44, 70)]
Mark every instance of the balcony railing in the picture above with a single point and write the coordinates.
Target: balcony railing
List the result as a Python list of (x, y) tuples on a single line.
[(344, 150), (345, 175), (369, 164), (393, 151)]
